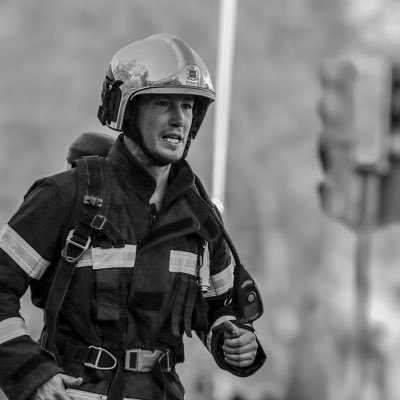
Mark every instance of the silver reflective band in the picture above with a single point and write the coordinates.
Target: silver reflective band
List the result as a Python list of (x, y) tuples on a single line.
[(220, 283), (22, 253), (183, 262), (12, 328), (186, 263), (114, 257)]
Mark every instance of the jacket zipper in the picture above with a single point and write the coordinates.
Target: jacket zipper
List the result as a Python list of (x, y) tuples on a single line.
[(153, 215)]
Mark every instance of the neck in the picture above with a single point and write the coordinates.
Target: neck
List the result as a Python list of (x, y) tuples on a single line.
[(159, 173)]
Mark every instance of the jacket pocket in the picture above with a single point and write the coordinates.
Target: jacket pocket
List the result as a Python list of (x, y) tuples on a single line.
[(109, 266)]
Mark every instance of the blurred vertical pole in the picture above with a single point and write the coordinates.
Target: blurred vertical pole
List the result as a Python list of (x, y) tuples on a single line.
[(226, 44), (369, 176), (371, 115)]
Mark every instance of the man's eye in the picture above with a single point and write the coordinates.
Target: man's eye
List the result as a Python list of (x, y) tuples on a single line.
[(162, 103), (188, 106)]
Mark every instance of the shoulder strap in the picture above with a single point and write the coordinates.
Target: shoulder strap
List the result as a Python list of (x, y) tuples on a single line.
[(246, 297), (92, 204)]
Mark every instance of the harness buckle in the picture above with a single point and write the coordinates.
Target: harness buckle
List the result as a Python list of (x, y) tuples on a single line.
[(71, 242), (139, 360), (98, 222), (136, 353), (165, 361), (93, 200), (101, 351)]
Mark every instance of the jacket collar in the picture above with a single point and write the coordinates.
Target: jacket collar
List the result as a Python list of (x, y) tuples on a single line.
[(133, 176), (183, 210)]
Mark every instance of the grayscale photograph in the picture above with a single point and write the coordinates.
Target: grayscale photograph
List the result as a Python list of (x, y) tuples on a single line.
[(198, 200)]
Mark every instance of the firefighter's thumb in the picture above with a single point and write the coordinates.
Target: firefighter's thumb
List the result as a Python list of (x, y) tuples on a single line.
[(70, 381), (231, 329)]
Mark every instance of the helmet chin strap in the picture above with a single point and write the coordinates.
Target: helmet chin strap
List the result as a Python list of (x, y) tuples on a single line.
[(136, 136), (134, 133), (188, 143)]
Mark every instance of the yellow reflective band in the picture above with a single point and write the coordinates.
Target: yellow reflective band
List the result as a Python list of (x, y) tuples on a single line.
[(11, 328), (22, 253), (183, 261), (220, 283), (115, 257)]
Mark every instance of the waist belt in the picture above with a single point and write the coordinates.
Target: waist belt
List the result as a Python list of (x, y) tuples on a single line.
[(132, 360)]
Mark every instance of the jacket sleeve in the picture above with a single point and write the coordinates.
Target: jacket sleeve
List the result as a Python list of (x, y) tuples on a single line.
[(219, 299), (28, 245)]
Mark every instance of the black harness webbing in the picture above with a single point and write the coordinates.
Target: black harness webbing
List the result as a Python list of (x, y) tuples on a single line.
[(93, 200), (91, 206)]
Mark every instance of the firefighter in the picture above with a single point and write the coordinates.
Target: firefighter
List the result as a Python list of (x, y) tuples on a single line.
[(119, 289)]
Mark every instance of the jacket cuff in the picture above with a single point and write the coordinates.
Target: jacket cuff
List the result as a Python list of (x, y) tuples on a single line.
[(217, 342), (217, 322), (31, 375)]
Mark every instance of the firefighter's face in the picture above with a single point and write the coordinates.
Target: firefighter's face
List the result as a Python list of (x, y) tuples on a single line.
[(164, 122)]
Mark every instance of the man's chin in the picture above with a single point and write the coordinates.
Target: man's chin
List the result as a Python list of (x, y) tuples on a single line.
[(169, 157), (163, 160)]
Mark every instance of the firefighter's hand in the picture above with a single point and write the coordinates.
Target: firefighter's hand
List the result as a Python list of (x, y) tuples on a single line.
[(240, 345), (54, 388)]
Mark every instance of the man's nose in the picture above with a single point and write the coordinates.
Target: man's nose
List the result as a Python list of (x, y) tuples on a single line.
[(177, 115)]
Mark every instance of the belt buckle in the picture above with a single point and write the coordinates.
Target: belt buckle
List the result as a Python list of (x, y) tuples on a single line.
[(95, 365), (165, 356), (128, 360)]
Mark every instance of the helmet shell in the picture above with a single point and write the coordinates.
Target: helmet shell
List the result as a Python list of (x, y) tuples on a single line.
[(159, 64)]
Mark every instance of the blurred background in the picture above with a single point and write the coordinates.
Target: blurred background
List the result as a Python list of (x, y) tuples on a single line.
[(53, 58)]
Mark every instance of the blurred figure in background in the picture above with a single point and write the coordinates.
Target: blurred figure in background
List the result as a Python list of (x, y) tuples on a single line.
[(144, 258)]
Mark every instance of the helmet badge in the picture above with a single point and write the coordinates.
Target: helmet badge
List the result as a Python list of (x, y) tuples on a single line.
[(192, 75)]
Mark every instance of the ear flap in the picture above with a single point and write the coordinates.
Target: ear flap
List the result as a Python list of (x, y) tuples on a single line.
[(199, 111)]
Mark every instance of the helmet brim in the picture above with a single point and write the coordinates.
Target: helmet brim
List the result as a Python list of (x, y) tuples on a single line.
[(195, 91)]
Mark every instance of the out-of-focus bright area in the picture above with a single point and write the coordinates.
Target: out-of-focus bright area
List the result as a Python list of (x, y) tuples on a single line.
[(54, 55)]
